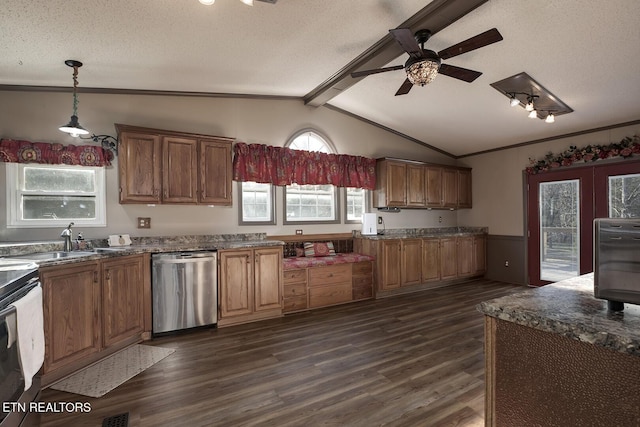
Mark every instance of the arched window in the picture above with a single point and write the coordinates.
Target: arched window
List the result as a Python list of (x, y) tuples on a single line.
[(304, 204)]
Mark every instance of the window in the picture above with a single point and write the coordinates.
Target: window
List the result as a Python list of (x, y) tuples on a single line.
[(54, 195), (624, 196), (355, 203), (257, 201), (310, 203)]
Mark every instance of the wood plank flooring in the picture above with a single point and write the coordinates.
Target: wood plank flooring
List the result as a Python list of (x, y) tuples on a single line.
[(409, 360)]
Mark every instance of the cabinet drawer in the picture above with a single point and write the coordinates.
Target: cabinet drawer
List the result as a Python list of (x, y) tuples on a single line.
[(319, 276), (362, 292), (295, 303), (295, 276), (362, 268), (295, 290), (362, 281), (329, 295)]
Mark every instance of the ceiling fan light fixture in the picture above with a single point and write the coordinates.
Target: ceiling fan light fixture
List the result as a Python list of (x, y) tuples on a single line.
[(207, 2), (533, 114), (423, 70), (513, 100), (550, 118), (247, 2)]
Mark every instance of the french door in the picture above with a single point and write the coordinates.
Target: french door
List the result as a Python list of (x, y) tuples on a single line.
[(561, 207)]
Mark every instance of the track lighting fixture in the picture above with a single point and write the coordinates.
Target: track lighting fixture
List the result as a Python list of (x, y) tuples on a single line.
[(539, 102)]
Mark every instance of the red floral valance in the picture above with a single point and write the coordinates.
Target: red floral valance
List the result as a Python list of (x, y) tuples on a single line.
[(284, 166), (16, 151)]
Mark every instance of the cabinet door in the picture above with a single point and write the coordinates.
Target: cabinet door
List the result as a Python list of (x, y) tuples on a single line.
[(391, 184), (179, 172), (411, 272), (480, 254), (71, 305), (389, 264), (415, 185), (215, 173), (139, 168), (448, 258), (465, 256), (236, 283), (464, 189), (450, 188), (267, 279), (430, 260), (433, 186), (122, 299)]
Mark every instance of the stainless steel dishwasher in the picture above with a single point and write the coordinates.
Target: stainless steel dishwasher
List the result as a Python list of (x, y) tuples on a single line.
[(184, 290)]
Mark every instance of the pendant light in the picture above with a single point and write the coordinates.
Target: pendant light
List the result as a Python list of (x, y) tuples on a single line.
[(73, 127)]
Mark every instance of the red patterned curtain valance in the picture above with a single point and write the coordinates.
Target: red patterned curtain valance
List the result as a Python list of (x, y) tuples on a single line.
[(16, 151), (284, 166)]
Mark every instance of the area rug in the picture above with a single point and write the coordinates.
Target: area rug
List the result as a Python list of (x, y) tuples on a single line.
[(102, 377)]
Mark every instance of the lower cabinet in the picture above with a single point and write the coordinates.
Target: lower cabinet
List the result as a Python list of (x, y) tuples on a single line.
[(411, 262), (329, 285), (430, 260), (89, 308), (250, 284)]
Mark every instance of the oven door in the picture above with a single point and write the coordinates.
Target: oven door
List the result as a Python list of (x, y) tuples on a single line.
[(15, 400)]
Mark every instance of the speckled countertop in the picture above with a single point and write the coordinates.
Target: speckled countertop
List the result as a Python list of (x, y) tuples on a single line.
[(568, 308), (417, 233), (141, 245)]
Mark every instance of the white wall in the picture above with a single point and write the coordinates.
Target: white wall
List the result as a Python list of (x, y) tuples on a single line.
[(36, 116), (498, 189)]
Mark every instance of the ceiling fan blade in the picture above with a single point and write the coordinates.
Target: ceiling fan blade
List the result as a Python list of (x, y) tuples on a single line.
[(376, 71), (481, 40), (405, 88), (407, 41), (459, 73)]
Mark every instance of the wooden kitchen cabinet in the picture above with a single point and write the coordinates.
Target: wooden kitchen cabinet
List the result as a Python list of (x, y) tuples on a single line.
[(91, 309), (389, 255), (162, 166), (391, 184), (250, 285), (480, 255), (430, 260), (122, 299), (411, 262), (465, 256), (410, 184), (72, 312), (329, 285), (294, 290), (448, 258)]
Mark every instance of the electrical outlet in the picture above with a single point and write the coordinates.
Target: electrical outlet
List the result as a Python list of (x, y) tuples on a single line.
[(299, 232), (144, 222), (439, 219), (506, 263), (379, 220)]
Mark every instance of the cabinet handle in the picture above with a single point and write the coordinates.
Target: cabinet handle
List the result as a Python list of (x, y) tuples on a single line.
[(166, 194), (156, 192), (107, 275)]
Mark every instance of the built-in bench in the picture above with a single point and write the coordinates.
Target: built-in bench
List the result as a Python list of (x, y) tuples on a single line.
[(320, 281)]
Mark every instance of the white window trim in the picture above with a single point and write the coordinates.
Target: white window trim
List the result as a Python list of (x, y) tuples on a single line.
[(365, 206), (299, 221), (272, 208), (14, 206)]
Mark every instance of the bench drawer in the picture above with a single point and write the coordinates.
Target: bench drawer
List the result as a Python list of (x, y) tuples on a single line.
[(295, 290), (294, 276), (328, 295), (362, 268), (330, 274), (295, 304)]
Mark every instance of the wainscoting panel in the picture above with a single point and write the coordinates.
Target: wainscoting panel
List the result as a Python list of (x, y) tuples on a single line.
[(506, 249)]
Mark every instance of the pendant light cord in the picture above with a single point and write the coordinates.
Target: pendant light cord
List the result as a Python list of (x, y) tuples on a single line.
[(75, 95)]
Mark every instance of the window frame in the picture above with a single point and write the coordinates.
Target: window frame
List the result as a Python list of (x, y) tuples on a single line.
[(14, 173), (272, 211)]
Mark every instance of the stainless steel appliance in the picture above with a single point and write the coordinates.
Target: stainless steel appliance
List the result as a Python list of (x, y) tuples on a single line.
[(184, 288), (17, 278), (617, 261)]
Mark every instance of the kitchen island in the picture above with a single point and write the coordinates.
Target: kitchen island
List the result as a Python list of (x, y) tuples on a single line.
[(556, 356)]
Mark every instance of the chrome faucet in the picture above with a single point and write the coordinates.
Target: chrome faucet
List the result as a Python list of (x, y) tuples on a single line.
[(67, 235)]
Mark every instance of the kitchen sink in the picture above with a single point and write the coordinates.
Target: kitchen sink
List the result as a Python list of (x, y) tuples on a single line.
[(49, 256)]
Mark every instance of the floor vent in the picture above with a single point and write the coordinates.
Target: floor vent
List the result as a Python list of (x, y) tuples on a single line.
[(120, 420)]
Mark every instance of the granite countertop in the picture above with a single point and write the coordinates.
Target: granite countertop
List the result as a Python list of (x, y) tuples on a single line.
[(568, 308), (417, 233), (141, 245)]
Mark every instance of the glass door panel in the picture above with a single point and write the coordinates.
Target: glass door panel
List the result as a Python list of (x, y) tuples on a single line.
[(624, 196), (559, 204)]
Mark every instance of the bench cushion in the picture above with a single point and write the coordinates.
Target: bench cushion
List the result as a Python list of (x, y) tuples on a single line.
[(304, 262)]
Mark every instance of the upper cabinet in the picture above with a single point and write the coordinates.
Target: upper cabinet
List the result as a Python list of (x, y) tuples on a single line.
[(409, 184), (159, 166)]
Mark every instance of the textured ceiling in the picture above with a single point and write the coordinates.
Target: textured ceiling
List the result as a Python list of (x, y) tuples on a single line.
[(586, 52)]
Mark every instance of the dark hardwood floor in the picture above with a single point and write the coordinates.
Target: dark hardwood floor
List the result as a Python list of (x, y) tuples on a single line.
[(409, 360)]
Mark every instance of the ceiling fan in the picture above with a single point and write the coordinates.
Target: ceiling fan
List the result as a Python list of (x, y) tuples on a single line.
[(423, 64)]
